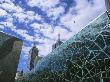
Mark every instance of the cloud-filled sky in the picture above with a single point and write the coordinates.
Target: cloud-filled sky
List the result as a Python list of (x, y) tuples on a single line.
[(40, 21)]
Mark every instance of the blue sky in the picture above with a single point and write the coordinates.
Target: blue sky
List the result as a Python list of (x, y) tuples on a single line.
[(40, 21)]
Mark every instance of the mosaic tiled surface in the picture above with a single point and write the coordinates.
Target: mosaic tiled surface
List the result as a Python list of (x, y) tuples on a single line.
[(82, 58)]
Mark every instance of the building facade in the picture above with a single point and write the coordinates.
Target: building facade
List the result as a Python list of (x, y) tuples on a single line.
[(10, 50), (58, 43), (33, 53)]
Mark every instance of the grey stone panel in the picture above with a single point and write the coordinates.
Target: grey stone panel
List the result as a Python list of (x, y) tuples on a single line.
[(10, 49)]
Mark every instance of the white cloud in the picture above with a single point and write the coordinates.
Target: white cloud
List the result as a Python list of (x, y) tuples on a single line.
[(64, 34), (11, 7), (20, 31), (38, 17), (23, 33), (86, 13), (45, 48), (21, 17), (27, 17), (7, 24), (30, 13), (2, 12), (44, 28), (48, 6), (1, 1), (7, 1), (37, 26), (45, 4), (18, 12), (25, 50), (55, 12), (1, 27), (28, 37)]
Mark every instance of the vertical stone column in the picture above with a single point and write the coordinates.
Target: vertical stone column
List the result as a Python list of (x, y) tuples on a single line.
[(10, 49), (107, 4)]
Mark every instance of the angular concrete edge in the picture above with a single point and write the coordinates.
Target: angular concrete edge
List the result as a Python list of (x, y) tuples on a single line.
[(10, 50)]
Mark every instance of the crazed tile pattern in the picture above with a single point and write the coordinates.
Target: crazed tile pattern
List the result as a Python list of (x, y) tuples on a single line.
[(82, 58)]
